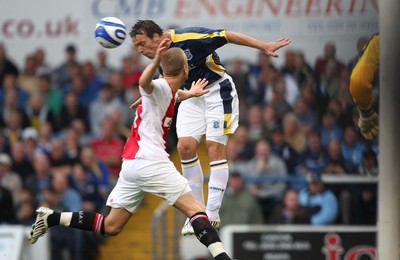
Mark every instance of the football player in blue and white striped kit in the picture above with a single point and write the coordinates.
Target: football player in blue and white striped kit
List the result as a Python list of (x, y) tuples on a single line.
[(215, 114)]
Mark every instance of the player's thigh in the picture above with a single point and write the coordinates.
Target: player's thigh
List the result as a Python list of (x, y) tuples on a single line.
[(127, 194), (163, 179), (222, 106), (190, 121)]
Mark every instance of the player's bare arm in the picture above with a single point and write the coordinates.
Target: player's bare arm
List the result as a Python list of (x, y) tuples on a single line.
[(268, 48), (196, 90), (146, 79)]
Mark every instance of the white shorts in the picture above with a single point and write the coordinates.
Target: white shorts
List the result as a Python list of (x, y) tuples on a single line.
[(214, 114), (140, 176)]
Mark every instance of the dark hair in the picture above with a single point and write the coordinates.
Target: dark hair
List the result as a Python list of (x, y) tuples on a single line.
[(146, 27)]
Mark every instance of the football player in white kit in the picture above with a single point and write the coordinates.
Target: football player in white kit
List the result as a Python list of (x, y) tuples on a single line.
[(146, 167)]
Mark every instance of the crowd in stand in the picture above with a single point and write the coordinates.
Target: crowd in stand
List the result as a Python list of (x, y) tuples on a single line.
[(63, 130)]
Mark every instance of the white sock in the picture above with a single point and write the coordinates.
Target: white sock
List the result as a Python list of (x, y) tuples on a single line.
[(216, 249), (65, 218), (192, 171), (219, 175)]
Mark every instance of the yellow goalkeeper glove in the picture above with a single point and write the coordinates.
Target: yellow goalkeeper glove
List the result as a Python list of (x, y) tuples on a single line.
[(368, 124)]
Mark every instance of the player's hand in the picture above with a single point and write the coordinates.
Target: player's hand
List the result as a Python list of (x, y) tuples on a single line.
[(197, 88), (271, 47), (136, 104), (368, 124), (162, 48)]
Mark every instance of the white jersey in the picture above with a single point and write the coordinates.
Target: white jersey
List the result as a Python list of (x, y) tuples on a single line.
[(151, 124)]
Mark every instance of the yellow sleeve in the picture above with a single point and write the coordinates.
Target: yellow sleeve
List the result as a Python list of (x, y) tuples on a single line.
[(363, 75)]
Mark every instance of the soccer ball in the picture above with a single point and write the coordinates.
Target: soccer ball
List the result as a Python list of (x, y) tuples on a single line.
[(110, 32)]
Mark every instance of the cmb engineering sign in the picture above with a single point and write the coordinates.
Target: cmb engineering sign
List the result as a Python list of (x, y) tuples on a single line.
[(308, 23), (300, 242)]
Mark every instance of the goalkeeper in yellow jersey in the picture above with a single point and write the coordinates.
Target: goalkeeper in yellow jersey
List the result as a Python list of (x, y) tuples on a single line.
[(361, 88)]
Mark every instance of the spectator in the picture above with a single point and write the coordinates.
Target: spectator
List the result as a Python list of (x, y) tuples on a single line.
[(240, 76), (62, 241), (62, 75), (270, 118), (239, 207), (58, 157), (52, 97), (42, 68), (108, 148), (38, 113), (337, 166), (265, 164), (91, 80), (366, 196), (25, 211), (7, 212), (330, 79), (329, 55), (72, 110), (330, 128), (256, 129), (308, 118), (261, 75), (6, 65), (97, 169), (72, 144), (278, 98), (14, 127), (243, 144), (290, 211), (71, 201), (126, 95), (289, 66), (20, 161), (43, 137), (293, 134), (91, 201), (10, 83), (281, 148), (28, 79), (30, 139), (40, 181), (315, 155), (352, 147), (83, 94), (11, 103), (303, 71), (9, 179), (131, 70), (102, 108), (103, 69), (314, 158), (87, 187), (320, 202)]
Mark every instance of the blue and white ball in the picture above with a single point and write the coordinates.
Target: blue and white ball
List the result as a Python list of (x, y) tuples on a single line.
[(110, 32)]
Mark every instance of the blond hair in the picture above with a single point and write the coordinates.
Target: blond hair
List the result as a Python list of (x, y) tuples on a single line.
[(173, 62)]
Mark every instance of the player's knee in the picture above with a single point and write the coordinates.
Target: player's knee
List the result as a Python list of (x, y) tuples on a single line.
[(216, 151), (187, 150)]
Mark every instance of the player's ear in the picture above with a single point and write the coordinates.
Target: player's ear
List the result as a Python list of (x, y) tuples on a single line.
[(155, 37), (185, 68)]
